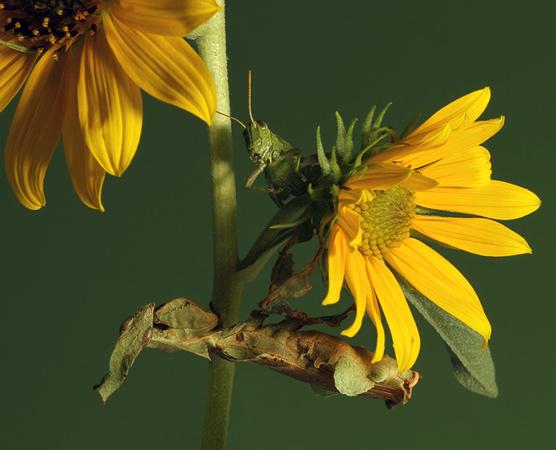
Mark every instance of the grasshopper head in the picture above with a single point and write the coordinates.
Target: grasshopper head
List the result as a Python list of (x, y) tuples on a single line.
[(259, 140), (263, 145)]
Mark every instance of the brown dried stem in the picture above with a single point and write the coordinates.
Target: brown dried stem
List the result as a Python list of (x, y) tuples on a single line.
[(325, 362)]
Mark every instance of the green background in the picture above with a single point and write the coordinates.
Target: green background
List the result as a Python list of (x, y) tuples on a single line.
[(70, 275)]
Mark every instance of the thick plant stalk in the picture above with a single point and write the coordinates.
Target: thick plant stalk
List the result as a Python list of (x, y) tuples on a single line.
[(226, 289)]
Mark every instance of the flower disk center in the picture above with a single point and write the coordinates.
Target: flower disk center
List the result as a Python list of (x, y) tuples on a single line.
[(387, 217), (41, 25)]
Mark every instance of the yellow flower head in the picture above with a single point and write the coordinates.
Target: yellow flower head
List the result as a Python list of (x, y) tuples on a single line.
[(86, 64), (440, 166)]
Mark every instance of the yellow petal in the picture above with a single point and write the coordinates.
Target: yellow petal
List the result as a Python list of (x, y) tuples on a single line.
[(480, 236), (348, 196), (14, 69), (406, 151), (165, 67), (86, 173), (422, 154), (377, 176), (373, 311), (381, 176), (418, 182), (496, 200), (110, 106), (464, 110), (358, 283), (405, 334), (473, 135), (350, 222), (167, 17), (466, 168), (35, 131), (337, 253), (439, 281)]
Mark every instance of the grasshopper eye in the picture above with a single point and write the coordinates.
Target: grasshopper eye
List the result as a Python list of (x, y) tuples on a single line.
[(262, 124)]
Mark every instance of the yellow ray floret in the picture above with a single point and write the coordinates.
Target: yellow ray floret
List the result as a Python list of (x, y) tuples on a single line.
[(83, 81)]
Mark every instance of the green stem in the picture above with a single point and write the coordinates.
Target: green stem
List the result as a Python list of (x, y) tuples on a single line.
[(226, 288)]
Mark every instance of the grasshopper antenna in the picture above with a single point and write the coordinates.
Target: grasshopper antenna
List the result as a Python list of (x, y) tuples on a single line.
[(232, 117), (249, 82)]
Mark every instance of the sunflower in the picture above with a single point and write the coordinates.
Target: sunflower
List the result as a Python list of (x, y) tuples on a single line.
[(400, 196), (83, 64)]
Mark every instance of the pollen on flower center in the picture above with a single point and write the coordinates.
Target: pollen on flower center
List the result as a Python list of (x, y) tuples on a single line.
[(387, 217), (41, 25)]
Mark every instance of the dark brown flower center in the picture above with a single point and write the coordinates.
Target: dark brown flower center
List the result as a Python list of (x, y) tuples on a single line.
[(41, 25)]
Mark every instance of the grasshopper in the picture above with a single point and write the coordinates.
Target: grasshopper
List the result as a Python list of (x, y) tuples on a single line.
[(286, 171)]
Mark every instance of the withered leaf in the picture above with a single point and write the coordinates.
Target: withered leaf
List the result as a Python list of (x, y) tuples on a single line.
[(134, 337), (184, 314), (283, 269), (297, 285)]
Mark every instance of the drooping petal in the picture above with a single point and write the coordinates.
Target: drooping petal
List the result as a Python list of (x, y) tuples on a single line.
[(480, 236), (405, 334), (337, 254), (14, 69), (166, 17), (438, 280), (350, 222), (348, 196), (373, 311), (165, 67), (467, 168), (358, 283), (87, 175), (379, 176), (464, 110), (496, 200), (110, 106), (35, 131)]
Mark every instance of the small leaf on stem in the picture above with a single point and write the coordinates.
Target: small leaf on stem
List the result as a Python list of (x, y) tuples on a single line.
[(472, 363)]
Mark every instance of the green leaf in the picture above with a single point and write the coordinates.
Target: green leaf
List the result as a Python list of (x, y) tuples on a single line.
[(344, 139), (297, 284), (300, 221), (348, 144), (359, 158), (472, 363), (321, 155), (134, 337), (249, 269), (380, 117), (479, 376), (367, 126), (341, 137), (336, 171), (273, 235)]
